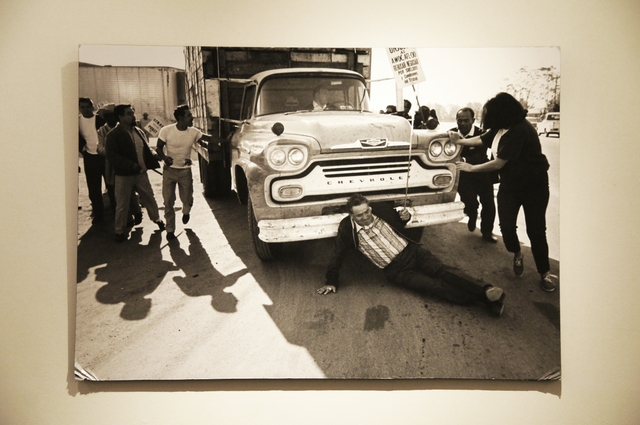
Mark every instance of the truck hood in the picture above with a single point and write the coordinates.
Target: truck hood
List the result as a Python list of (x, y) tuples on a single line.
[(335, 130)]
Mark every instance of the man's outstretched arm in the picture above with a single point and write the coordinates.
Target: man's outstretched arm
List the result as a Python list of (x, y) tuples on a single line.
[(326, 289), (341, 246)]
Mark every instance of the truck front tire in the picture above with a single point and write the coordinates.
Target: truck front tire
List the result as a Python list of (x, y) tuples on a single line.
[(217, 182), (265, 251)]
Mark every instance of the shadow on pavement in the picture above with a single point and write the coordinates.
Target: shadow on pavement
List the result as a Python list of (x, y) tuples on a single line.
[(132, 271), (144, 268), (368, 330), (371, 329), (201, 278)]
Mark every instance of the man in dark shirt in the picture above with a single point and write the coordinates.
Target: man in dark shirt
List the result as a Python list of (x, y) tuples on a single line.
[(129, 154), (472, 186), (379, 233), (405, 111), (524, 179), (425, 118)]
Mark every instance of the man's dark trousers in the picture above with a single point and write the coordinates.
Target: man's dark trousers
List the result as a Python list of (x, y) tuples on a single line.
[(471, 187), (418, 269), (94, 172)]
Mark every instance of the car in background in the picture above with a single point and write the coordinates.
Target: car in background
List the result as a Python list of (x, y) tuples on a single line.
[(534, 117), (550, 124)]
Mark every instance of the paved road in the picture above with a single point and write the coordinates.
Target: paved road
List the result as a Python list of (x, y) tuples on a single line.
[(204, 307)]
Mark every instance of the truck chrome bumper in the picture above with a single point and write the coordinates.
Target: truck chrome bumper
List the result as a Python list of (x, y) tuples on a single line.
[(326, 226), (427, 215)]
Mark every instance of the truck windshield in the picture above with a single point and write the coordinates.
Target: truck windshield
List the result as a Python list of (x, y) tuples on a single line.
[(293, 94)]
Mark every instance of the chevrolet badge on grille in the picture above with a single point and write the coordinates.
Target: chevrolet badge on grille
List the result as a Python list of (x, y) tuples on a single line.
[(373, 143)]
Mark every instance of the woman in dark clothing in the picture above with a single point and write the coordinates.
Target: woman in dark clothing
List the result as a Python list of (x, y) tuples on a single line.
[(524, 182)]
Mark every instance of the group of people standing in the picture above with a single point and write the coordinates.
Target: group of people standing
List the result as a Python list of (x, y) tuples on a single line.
[(424, 118), (517, 161), (118, 150), (522, 170), (115, 149)]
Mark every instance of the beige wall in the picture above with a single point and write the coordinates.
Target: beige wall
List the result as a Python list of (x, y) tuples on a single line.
[(599, 210)]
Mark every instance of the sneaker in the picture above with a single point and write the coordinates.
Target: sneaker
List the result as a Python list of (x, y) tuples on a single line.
[(185, 218), (518, 264), (120, 238), (493, 293), (547, 283), (497, 307), (160, 224), (171, 236)]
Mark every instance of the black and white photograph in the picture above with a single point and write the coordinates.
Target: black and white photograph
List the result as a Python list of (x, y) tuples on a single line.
[(318, 213)]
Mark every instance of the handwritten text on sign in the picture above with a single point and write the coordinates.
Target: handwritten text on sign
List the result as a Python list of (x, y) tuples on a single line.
[(406, 66), (154, 127)]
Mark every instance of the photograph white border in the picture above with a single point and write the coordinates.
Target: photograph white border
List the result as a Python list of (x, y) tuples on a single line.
[(600, 318)]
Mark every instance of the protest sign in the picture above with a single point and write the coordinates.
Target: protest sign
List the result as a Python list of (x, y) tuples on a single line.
[(406, 66), (154, 127)]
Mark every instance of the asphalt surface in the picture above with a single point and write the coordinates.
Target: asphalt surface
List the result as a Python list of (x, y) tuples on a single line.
[(205, 307)]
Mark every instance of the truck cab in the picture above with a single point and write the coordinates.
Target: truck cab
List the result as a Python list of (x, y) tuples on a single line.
[(295, 164)]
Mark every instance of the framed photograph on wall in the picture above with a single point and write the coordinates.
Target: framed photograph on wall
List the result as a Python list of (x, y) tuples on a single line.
[(219, 236)]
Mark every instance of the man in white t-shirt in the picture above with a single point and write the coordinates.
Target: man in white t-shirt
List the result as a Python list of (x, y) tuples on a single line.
[(175, 142), (88, 125)]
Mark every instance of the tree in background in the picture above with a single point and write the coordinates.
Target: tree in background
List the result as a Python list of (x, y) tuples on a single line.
[(536, 88)]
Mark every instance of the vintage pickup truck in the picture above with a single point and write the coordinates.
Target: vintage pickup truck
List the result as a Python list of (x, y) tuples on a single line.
[(294, 167)]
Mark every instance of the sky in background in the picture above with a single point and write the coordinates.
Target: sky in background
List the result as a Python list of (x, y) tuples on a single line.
[(458, 75), (453, 75)]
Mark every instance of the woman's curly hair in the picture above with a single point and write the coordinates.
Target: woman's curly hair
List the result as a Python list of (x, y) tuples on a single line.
[(502, 111)]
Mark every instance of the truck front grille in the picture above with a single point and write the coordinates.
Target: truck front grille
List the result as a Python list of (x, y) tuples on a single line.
[(359, 169), (327, 180)]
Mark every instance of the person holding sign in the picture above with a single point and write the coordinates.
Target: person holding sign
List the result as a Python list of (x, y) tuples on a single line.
[(143, 124), (128, 151), (425, 118)]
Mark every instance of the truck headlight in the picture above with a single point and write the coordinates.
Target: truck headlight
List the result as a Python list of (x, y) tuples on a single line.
[(284, 157), (296, 156), (450, 149), (277, 157), (442, 150), (435, 149)]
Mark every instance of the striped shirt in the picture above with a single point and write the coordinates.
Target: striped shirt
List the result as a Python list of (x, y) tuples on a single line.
[(380, 243)]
